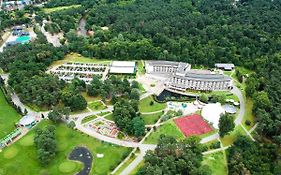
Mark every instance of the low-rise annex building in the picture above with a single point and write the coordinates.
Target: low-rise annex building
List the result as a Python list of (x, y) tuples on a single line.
[(180, 76), (122, 67), (225, 66)]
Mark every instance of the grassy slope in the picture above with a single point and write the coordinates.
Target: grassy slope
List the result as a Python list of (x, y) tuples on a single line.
[(96, 106), (229, 139), (169, 129), (145, 106), (8, 116), (216, 162), (21, 158), (151, 118), (54, 9)]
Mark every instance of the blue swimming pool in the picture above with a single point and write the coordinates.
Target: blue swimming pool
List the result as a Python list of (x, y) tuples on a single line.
[(23, 39)]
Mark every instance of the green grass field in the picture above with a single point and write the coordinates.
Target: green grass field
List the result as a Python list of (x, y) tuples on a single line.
[(216, 162), (151, 118), (169, 129), (229, 139), (89, 118), (74, 57), (8, 116), (141, 69), (145, 106), (96, 106), (21, 157), (248, 114), (55, 9), (109, 117)]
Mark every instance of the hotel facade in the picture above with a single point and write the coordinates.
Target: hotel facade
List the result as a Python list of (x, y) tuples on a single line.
[(180, 76)]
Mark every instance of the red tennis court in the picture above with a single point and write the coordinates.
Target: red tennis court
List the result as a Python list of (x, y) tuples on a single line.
[(193, 125)]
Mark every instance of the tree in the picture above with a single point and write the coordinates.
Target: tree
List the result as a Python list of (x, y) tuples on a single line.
[(138, 126), (221, 98), (226, 124), (134, 95), (204, 98), (55, 116), (261, 101)]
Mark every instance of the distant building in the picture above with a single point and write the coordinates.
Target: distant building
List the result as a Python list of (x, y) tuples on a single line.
[(166, 67), (180, 76), (123, 67), (225, 66)]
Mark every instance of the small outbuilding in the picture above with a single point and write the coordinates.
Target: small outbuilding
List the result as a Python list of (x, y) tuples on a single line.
[(27, 121), (225, 66), (123, 67)]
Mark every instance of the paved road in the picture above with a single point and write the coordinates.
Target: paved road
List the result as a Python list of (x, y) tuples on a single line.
[(236, 91), (53, 39), (81, 31), (99, 136)]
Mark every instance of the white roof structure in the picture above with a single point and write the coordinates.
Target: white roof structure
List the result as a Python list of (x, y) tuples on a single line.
[(211, 112), (123, 67), (26, 120)]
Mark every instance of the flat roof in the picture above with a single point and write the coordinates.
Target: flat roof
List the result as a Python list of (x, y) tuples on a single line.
[(204, 77), (123, 64), (163, 63), (224, 65), (122, 70)]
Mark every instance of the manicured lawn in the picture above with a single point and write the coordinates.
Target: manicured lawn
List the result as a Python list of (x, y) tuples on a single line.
[(216, 163), (90, 99), (145, 105), (141, 69), (21, 157), (54, 9), (169, 129), (103, 113), (74, 57), (89, 118), (208, 134), (248, 114), (8, 116), (130, 160), (134, 172), (151, 118), (96, 106), (109, 117), (229, 139)]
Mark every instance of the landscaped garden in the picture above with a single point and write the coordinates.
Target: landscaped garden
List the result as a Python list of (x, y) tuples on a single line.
[(150, 119), (169, 129), (216, 163), (148, 104), (21, 157), (88, 118), (8, 116), (96, 106)]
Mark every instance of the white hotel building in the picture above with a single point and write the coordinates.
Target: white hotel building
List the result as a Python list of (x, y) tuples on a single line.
[(180, 76)]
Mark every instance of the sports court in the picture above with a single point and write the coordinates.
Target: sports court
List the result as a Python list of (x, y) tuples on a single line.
[(193, 125)]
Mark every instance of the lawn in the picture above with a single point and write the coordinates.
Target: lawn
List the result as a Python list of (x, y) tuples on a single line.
[(21, 158), (216, 162), (8, 116), (109, 117), (141, 69), (88, 118), (96, 106), (130, 160), (90, 99), (54, 9), (74, 57), (169, 129), (151, 118), (146, 106), (248, 114), (229, 139)]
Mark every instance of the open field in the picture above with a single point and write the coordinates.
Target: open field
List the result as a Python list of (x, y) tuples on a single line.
[(21, 157), (145, 105), (229, 139), (8, 116), (248, 114), (151, 118), (169, 129), (74, 57), (216, 163), (55, 9), (96, 106)]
